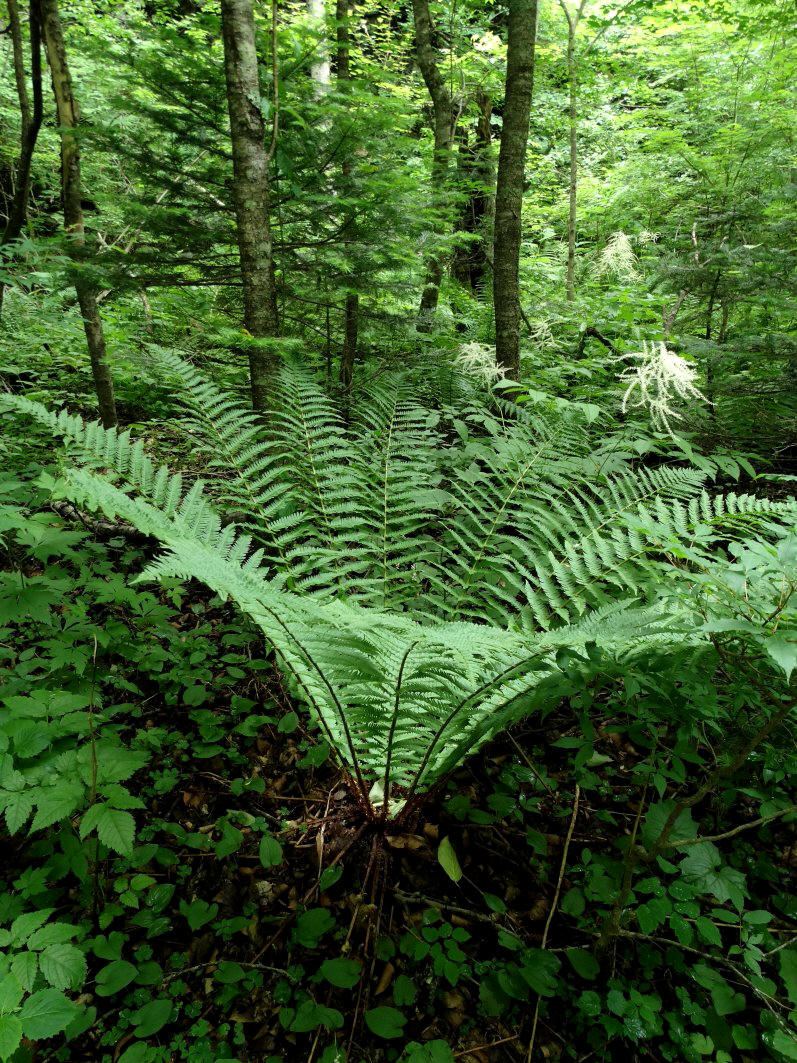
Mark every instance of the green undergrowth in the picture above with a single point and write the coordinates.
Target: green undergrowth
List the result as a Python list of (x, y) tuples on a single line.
[(184, 879)]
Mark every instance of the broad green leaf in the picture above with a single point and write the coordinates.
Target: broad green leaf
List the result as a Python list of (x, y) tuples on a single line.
[(198, 912), (152, 1017), (431, 1052), (46, 1013), (56, 803), (341, 972), (24, 967), (52, 934), (24, 925), (708, 931), (309, 1016), (114, 977), (584, 963), (10, 992), (18, 808), (270, 851), (311, 927), (10, 1035), (783, 652), (385, 1022), (63, 965), (228, 972), (115, 828), (788, 972), (404, 991), (539, 971)]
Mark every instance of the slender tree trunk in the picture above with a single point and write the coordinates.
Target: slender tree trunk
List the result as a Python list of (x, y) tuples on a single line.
[(522, 36), (72, 195), (351, 312), (444, 123), (474, 170), (571, 217), (250, 190), (31, 119), (319, 66)]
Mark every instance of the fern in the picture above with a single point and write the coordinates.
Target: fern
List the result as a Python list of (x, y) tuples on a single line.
[(418, 590)]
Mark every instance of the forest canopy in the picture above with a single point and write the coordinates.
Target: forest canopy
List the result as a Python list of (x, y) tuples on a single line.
[(398, 531)]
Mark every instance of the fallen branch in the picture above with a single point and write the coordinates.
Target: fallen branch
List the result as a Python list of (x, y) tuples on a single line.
[(103, 529)]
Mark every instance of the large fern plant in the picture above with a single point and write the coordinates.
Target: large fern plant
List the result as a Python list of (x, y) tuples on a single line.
[(423, 579)]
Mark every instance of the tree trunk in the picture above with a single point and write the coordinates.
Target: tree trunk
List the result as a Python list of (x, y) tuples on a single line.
[(572, 25), (522, 36), (319, 66), (31, 120), (444, 122), (72, 195), (474, 170), (250, 190), (351, 312), (571, 217)]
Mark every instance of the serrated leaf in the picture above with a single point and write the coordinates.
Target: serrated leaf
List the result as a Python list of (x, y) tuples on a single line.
[(10, 1035), (708, 931), (46, 1013), (18, 808), (25, 924), (56, 803), (24, 967), (115, 828), (63, 966), (10, 993)]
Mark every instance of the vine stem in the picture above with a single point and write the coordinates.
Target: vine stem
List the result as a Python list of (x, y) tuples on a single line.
[(552, 911)]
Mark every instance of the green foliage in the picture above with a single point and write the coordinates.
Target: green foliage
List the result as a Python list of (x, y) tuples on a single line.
[(515, 522)]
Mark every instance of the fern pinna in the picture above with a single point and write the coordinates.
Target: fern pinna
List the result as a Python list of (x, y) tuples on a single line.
[(422, 583)]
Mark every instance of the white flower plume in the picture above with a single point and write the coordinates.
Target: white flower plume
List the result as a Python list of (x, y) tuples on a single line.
[(478, 360), (618, 258), (659, 378)]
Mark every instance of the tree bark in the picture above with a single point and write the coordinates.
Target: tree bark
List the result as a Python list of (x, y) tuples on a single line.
[(319, 65), (572, 25), (444, 123), (251, 191), (31, 119), (72, 195), (522, 36), (351, 312), (474, 170)]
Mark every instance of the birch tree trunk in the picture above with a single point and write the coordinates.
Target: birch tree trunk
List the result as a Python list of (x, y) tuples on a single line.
[(319, 66), (72, 195), (444, 122), (251, 191), (522, 36)]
